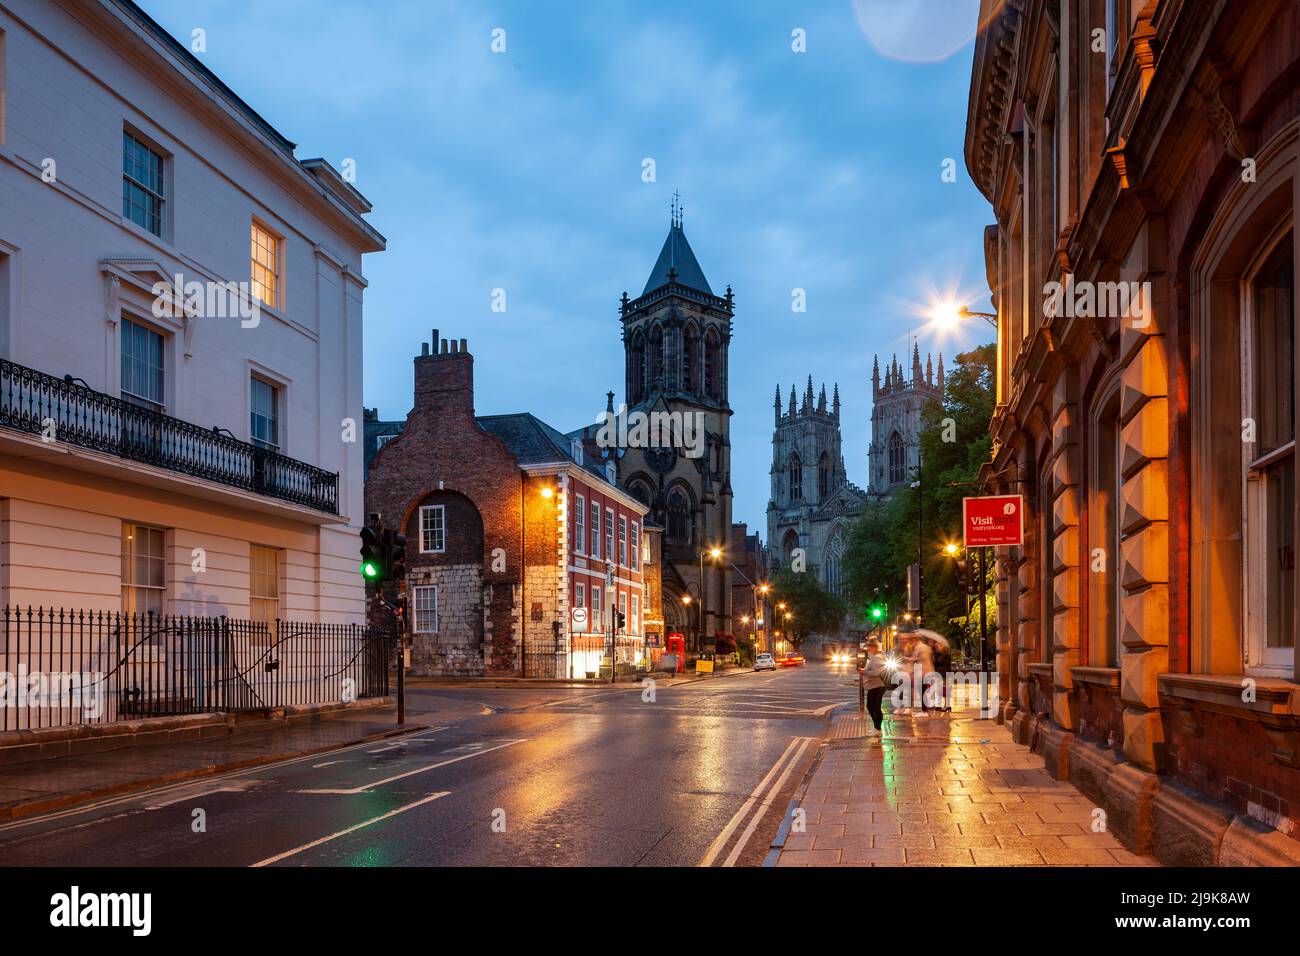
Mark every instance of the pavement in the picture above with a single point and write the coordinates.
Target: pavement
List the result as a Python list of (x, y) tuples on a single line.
[(939, 791)]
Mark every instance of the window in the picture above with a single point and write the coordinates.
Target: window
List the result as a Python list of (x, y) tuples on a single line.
[(575, 449), (382, 440), (425, 601), (634, 621), (142, 365), (1270, 474), (622, 540), (144, 569), (622, 609), (595, 603), (265, 425), (433, 529), (679, 518), (266, 265), (609, 534), (580, 525), (595, 530), (1103, 582), (691, 372), (824, 477), (142, 184), (579, 594), (897, 459), (796, 478), (263, 584), (636, 545)]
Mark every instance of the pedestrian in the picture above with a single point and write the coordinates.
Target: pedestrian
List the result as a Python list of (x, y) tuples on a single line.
[(942, 657), (921, 664), (871, 677)]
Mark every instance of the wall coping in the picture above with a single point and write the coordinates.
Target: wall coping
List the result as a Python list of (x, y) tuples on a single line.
[(1104, 676), (1040, 669), (1273, 696)]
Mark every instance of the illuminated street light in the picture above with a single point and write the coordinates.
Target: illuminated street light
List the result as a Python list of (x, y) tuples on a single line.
[(951, 549)]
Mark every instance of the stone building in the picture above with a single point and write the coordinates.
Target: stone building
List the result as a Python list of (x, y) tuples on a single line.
[(676, 337), (524, 558), (1143, 164), (896, 406), (813, 504), (748, 559)]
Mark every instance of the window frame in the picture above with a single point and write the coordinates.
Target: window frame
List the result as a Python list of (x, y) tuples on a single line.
[(609, 535), (441, 529), (158, 195), (125, 336), (622, 541), (254, 574), (130, 555), (277, 293), (276, 401), (595, 530), (580, 525), (417, 591)]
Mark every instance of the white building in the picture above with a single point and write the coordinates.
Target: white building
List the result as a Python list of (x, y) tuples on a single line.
[(194, 464)]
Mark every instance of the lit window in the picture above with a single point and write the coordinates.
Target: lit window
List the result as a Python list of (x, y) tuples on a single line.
[(433, 537), (265, 425), (609, 534), (580, 525), (424, 598), (622, 540), (264, 584), (636, 545), (144, 569), (595, 530), (142, 184), (266, 266), (635, 620)]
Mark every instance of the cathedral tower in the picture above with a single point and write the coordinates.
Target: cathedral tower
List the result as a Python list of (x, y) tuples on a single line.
[(896, 406)]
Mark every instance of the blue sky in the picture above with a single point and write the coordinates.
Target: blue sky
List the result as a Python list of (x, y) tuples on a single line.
[(522, 170)]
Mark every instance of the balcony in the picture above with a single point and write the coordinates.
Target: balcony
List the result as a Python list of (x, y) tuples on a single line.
[(58, 411)]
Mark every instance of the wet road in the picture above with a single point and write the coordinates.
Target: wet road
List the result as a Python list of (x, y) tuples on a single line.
[(504, 777)]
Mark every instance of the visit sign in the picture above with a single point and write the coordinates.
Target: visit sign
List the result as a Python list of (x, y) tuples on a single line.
[(991, 521)]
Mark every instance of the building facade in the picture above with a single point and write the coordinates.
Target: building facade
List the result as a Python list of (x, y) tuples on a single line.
[(896, 406), (748, 560), (524, 557), (179, 416), (1143, 164), (813, 504), (676, 338)]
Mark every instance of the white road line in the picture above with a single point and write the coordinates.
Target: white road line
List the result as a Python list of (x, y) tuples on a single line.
[(721, 839), (829, 707), (327, 763), (379, 750), (411, 773), (334, 836), (767, 802)]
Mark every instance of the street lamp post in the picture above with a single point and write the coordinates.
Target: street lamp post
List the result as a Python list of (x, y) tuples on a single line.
[(713, 554)]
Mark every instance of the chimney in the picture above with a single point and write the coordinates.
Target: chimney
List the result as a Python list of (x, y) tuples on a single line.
[(444, 378)]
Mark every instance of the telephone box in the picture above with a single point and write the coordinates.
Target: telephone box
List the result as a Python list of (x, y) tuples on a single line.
[(677, 645)]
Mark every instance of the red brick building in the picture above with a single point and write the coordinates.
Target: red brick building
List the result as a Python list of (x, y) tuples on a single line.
[(1143, 164), (520, 548), (748, 571)]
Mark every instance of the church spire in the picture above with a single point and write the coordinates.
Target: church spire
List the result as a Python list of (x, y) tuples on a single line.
[(821, 400), (807, 398), (940, 382), (835, 405), (778, 403), (875, 375), (793, 404), (929, 370), (677, 263), (916, 363)]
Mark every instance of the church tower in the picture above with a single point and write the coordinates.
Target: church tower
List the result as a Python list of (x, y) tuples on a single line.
[(676, 337), (812, 503), (896, 406)]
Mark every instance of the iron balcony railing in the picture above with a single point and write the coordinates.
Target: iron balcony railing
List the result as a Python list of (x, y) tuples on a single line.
[(61, 411), (61, 668)]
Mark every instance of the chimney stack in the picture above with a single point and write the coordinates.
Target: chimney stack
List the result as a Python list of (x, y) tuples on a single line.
[(444, 377)]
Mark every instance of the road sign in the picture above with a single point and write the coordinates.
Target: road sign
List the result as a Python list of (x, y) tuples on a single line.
[(703, 666), (993, 520), (579, 616)]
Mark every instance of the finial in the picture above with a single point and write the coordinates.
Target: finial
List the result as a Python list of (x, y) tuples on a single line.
[(609, 401), (676, 214)]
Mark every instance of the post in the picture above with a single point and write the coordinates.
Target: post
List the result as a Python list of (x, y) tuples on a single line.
[(920, 556), (704, 608), (983, 622)]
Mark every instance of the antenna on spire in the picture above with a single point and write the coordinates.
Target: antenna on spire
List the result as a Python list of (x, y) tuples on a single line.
[(676, 214)]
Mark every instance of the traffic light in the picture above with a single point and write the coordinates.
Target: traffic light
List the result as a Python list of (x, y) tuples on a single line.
[(395, 543), (878, 612), (372, 561), (620, 620), (963, 576)]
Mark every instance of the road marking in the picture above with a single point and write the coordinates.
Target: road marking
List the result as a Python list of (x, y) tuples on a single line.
[(352, 829), (380, 750), (767, 802), (327, 763), (721, 839), (351, 791), (829, 707), (199, 792)]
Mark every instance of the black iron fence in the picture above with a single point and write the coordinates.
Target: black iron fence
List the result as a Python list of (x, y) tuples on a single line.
[(58, 410), (66, 667)]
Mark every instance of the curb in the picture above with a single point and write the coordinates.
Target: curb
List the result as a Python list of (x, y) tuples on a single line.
[(28, 808), (778, 841)]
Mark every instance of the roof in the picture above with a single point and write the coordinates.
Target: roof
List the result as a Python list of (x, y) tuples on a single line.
[(676, 255), (533, 442)]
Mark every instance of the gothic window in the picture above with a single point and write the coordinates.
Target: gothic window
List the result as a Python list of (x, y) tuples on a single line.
[(691, 372), (824, 477), (712, 365), (637, 368), (796, 477), (897, 459), (656, 360), (834, 555), (788, 544), (679, 518)]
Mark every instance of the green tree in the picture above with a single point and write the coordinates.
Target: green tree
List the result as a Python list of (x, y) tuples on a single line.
[(812, 609)]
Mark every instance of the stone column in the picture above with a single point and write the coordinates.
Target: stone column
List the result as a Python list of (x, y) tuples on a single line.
[(1066, 433)]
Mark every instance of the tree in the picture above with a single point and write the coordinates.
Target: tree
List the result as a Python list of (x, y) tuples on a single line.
[(954, 443), (811, 607)]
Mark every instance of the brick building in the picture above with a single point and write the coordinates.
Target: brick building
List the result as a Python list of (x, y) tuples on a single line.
[(1141, 160), (748, 571), (511, 527)]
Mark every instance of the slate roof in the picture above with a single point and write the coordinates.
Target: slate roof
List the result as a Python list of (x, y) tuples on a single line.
[(533, 442), (676, 254)]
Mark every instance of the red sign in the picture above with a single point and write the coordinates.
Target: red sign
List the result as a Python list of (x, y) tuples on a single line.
[(991, 521)]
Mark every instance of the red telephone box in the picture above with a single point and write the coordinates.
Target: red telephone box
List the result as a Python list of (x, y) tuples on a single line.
[(677, 645)]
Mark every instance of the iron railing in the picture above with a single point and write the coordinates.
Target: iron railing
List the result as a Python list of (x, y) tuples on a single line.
[(62, 411), (67, 667)]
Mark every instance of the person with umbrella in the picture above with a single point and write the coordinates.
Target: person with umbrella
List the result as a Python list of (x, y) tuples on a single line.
[(941, 654)]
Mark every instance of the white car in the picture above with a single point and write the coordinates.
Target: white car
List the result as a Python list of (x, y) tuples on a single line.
[(764, 662)]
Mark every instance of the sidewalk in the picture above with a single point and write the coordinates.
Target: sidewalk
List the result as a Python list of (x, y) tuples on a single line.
[(940, 791), (38, 786)]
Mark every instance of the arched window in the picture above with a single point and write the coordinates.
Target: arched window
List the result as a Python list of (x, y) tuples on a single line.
[(796, 477), (897, 459), (834, 556), (712, 365), (637, 369), (679, 518), (824, 477), (691, 358), (656, 359)]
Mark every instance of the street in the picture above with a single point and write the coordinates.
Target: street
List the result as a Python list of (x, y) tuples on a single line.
[(553, 776)]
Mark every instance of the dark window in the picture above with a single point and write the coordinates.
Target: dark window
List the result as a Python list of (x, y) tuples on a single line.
[(142, 184), (142, 365), (897, 459), (796, 478)]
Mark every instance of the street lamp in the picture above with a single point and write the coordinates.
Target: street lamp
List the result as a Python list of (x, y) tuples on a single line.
[(713, 554)]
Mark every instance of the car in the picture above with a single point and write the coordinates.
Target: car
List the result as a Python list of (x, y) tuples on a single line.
[(842, 657), (764, 662), (790, 660)]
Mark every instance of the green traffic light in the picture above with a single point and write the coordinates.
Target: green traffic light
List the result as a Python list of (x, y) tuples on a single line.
[(877, 613), (370, 569)]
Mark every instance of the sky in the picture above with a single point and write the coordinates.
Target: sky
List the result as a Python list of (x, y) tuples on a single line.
[(525, 170)]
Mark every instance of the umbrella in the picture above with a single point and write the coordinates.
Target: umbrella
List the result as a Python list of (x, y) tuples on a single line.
[(932, 636)]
